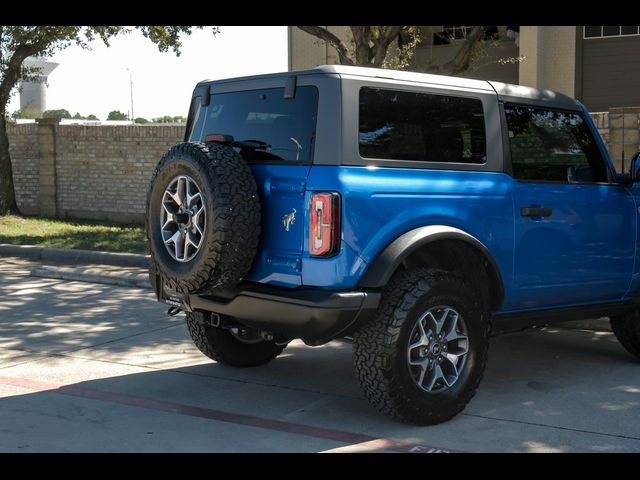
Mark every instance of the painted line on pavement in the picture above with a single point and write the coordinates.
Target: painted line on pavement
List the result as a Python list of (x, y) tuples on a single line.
[(350, 438)]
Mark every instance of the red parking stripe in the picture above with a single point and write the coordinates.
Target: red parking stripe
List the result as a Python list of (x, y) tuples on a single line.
[(221, 416)]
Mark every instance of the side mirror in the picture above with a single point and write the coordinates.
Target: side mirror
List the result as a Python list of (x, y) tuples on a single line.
[(634, 172), (635, 168)]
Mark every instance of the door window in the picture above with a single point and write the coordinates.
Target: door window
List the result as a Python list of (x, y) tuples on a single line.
[(551, 145)]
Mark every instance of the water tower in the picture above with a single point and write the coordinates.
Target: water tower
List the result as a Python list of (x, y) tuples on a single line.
[(33, 94)]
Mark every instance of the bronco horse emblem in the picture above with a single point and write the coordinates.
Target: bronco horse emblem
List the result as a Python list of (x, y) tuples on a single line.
[(288, 219)]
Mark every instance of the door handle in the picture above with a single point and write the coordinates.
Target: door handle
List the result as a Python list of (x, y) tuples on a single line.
[(535, 212)]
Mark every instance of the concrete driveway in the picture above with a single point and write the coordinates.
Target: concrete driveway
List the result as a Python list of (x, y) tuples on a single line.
[(89, 367)]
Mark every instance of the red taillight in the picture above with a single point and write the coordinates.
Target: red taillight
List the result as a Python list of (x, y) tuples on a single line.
[(324, 235)]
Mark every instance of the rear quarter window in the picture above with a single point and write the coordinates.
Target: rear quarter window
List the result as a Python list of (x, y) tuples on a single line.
[(402, 125)]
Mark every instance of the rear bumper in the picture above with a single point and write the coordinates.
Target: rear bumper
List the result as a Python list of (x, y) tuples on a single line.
[(313, 314)]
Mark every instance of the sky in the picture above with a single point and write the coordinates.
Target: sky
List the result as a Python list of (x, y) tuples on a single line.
[(97, 81)]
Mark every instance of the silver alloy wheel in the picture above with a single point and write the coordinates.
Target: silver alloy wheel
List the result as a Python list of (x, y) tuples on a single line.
[(437, 350), (183, 218)]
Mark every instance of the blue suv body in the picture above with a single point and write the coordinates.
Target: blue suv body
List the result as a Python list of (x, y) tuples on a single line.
[(417, 213)]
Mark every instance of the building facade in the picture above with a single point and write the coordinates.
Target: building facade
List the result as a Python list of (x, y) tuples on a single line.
[(599, 65)]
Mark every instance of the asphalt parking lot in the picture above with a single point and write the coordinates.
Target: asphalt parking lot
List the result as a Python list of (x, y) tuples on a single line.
[(88, 367)]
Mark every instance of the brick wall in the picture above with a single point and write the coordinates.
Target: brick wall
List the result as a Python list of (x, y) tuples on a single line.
[(620, 130), (90, 172), (24, 155), (103, 172)]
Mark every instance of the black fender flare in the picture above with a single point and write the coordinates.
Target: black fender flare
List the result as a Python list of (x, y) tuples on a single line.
[(382, 268)]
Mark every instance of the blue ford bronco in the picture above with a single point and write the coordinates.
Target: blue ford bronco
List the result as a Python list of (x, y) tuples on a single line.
[(416, 215)]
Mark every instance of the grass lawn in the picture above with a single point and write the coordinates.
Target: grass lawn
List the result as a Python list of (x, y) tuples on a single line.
[(72, 234)]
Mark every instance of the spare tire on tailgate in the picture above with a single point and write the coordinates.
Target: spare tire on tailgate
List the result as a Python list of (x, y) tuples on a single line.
[(203, 217)]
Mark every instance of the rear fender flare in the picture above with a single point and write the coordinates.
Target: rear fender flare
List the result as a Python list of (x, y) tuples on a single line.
[(387, 262)]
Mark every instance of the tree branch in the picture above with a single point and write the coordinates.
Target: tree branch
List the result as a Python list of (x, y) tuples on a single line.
[(463, 59), (331, 39), (381, 45), (361, 38)]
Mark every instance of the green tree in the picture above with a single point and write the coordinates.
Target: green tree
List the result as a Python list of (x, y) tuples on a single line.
[(19, 42), (371, 45), (92, 117), (59, 113), (117, 115), (141, 120), (26, 113), (170, 119), (77, 116)]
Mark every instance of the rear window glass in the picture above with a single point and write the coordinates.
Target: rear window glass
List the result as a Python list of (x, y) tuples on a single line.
[(286, 128), (403, 125)]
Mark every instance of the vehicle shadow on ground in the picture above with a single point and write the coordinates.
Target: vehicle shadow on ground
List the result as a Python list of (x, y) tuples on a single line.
[(43, 315), (552, 390)]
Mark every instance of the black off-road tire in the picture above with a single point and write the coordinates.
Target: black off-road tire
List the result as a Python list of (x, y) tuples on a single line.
[(627, 330), (380, 347), (232, 227), (220, 345)]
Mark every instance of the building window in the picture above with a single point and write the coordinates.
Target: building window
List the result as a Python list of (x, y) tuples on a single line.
[(610, 31), (451, 32)]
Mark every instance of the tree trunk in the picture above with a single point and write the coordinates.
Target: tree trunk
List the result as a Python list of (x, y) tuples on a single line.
[(7, 192)]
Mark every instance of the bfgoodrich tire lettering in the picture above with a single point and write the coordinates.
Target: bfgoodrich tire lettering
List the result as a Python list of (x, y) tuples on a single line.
[(232, 227), (380, 347)]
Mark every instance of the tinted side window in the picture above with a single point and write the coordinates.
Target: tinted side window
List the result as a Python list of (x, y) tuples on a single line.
[(553, 146), (421, 126), (287, 127)]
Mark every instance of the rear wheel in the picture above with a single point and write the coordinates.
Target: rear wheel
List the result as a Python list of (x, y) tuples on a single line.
[(627, 330), (237, 348), (423, 355)]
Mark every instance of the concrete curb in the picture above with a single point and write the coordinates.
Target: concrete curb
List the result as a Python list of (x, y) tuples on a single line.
[(93, 275), (75, 256)]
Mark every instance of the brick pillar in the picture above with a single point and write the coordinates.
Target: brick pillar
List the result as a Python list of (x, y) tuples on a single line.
[(48, 197)]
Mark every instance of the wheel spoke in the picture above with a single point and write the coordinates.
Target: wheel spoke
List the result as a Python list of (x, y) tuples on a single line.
[(454, 336), (173, 238), (434, 375), (441, 322), (181, 191), (181, 250), (178, 244), (418, 361), (461, 348), (191, 241), (450, 364), (423, 371), (198, 218), (423, 340), (170, 217), (450, 323), (177, 194), (193, 199)]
